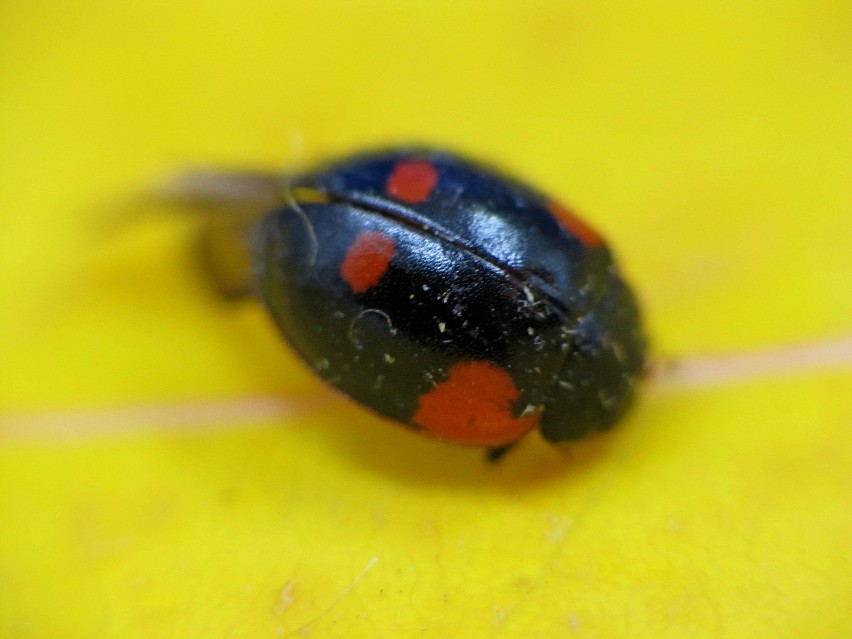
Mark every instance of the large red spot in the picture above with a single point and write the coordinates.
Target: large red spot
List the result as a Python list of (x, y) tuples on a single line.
[(412, 181), (575, 226), (474, 406), (367, 260)]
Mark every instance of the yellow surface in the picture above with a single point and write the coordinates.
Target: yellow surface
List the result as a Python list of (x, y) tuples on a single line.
[(710, 141)]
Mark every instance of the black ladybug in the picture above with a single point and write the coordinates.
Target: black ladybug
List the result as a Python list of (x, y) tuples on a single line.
[(451, 298)]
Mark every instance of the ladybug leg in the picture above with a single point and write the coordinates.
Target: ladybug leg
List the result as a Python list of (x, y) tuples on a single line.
[(231, 204), (224, 254), (495, 454)]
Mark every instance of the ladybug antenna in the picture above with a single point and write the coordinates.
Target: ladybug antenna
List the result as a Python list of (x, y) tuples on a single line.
[(296, 152), (309, 227)]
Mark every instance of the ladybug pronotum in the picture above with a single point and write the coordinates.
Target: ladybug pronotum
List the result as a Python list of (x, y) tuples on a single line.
[(450, 298)]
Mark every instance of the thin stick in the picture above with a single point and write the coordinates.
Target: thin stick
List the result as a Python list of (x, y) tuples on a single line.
[(720, 370), (665, 376), (186, 417)]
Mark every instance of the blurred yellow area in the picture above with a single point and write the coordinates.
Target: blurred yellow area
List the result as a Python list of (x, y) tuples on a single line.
[(167, 468)]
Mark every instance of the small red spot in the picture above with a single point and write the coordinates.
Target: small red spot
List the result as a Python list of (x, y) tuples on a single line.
[(575, 226), (367, 260), (412, 181), (474, 406)]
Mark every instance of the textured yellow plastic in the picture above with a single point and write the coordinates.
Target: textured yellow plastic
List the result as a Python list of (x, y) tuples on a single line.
[(168, 469)]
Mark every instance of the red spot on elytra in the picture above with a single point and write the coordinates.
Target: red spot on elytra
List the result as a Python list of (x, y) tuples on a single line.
[(575, 226), (367, 260), (412, 181), (474, 406)]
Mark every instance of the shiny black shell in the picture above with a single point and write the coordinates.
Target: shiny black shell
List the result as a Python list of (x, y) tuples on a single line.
[(403, 274)]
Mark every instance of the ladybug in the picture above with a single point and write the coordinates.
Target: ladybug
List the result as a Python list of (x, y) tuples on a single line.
[(451, 298)]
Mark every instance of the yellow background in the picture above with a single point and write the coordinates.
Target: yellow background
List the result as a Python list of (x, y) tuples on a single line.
[(711, 142)]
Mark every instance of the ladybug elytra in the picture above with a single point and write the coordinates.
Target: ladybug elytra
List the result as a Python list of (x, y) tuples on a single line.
[(448, 297)]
